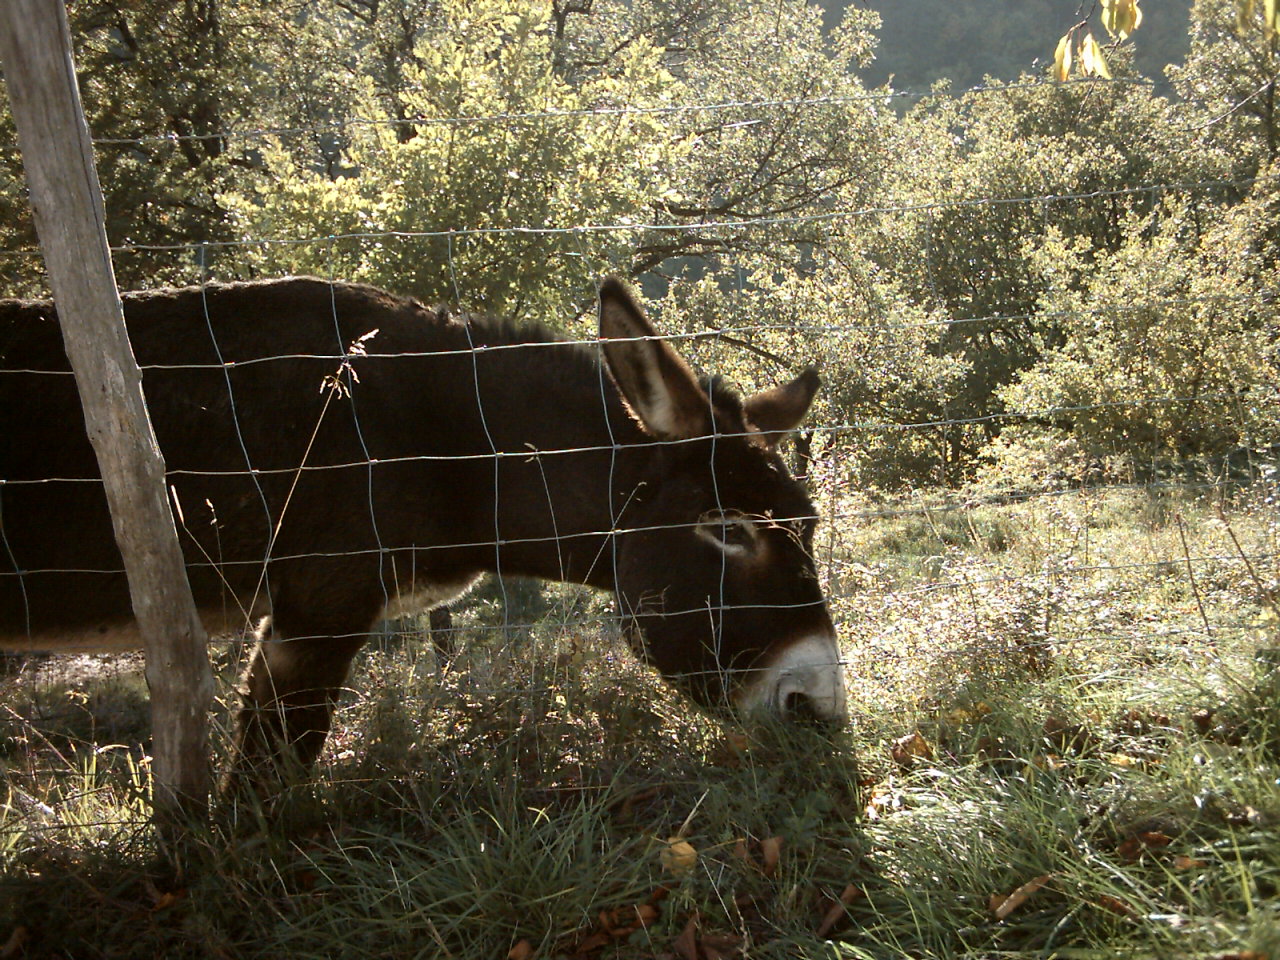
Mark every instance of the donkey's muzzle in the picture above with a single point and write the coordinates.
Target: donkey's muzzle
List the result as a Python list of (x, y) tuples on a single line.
[(804, 683)]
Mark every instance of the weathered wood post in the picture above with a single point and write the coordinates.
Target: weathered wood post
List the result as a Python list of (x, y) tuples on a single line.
[(35, 47)]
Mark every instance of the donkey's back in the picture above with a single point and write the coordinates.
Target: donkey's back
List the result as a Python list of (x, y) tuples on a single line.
[(266, 448)]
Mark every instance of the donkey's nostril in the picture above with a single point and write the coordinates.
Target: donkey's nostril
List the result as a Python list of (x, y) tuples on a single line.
[(798, 706)]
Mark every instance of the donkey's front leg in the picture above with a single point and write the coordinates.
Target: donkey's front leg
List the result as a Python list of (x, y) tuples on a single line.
[(288, 693)]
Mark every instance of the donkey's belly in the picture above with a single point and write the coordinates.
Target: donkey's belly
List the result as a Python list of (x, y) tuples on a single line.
[(103, 638), (118, 635), (114, 636), (421, 596)]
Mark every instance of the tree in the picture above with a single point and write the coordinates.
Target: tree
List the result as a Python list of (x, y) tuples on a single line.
[(875, 350), (175, 81), (983, 179), (1228, 84), (1169, 347), (533, 126)]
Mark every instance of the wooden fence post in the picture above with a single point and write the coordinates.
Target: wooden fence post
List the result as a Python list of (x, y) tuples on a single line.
[(35, 47)]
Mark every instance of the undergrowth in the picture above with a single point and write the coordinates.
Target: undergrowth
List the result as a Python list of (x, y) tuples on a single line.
[(1065, 744)]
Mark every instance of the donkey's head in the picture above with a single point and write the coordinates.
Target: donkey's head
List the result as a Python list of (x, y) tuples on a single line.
[(714, 565)]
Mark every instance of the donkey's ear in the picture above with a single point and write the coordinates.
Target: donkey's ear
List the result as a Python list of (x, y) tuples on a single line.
[(778, 411), (657, 384)]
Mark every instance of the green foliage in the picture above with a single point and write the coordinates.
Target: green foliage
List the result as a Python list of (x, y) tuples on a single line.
[(960, 273), (876, 352), (984, 179), (179, 77), (491, 179), (1228, 83), (1169, 344)]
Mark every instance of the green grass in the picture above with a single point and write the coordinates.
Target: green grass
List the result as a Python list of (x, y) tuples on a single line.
[(1091, 717)]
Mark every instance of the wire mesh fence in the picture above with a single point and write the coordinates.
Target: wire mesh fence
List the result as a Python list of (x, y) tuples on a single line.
[(930, 588)]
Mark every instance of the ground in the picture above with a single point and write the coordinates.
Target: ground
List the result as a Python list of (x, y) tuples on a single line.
[(1064, 744)]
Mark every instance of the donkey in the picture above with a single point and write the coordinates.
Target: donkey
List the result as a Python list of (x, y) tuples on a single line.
[(338, 454)]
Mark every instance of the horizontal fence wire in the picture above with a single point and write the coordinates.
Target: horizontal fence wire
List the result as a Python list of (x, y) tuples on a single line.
[(599, 112), (950, 575), (833, 516), (701, 226)]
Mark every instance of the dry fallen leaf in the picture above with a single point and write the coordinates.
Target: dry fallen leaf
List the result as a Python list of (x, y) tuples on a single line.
[(907, 750), (1050, 761), (1183, 862), (692, 944), (678, 857), (523, 950), (1203, 719), (1132, 848), (616, 924), (1066, 736), (770, 852), (623, 921), (593, 944), (167, 900), (962, 715), (686, 945), (837, 912), (1114, 905), (1003, 906), (882, 801), (162, 900)]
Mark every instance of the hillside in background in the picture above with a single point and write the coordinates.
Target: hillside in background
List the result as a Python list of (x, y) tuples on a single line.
[(965, 40)]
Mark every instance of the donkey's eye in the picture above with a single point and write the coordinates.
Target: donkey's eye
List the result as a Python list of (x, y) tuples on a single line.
[(728, 530)]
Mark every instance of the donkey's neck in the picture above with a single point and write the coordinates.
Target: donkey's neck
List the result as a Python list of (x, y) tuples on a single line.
[(571, 460)]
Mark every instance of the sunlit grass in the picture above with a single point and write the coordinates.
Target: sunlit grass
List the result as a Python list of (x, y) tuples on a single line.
[(1042, 699)]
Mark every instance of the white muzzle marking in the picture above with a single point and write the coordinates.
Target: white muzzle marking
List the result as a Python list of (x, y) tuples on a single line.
[(809, 668)]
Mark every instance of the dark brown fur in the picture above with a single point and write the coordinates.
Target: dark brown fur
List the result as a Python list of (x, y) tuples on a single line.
[(398, 490)]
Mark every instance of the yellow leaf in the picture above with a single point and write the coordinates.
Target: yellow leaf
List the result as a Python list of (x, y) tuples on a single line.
[(1121, 17), (836, 912), (1062, 58), (962, 715), (1110, 9), (770, 852), (1092, 61)]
